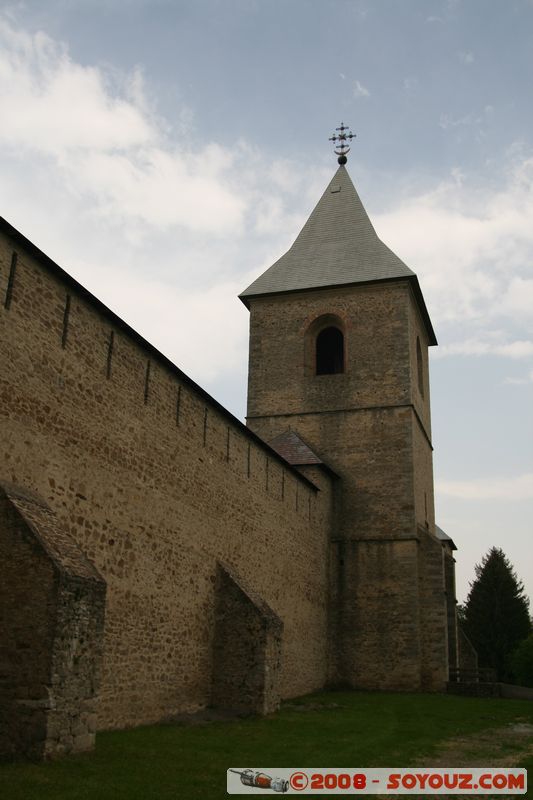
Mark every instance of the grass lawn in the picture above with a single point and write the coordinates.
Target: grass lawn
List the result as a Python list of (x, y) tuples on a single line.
[(329, 729)]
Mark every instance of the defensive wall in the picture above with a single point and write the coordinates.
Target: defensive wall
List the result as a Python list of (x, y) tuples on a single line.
[(213, 549)]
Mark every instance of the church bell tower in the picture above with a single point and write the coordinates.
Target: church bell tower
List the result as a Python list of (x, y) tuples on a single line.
[(339, 337)]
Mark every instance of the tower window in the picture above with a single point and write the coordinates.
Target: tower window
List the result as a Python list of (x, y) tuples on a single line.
[(329, 351), (419, 367)]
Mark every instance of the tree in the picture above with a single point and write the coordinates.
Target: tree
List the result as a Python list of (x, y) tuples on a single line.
[(496, 617), (522, 662)]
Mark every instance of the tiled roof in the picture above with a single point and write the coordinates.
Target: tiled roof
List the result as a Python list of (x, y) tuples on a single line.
[(337, 246), (293, 449)]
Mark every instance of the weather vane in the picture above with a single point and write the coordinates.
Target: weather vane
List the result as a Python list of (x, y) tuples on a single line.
[(342, 148)]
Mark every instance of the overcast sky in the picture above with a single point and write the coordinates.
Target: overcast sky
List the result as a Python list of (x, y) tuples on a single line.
[(166, 152)]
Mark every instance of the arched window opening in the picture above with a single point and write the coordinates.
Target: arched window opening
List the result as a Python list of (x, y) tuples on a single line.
[(419, 367), (329, 351)]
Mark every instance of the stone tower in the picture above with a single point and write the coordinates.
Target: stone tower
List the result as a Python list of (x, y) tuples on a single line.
[(339, 337)]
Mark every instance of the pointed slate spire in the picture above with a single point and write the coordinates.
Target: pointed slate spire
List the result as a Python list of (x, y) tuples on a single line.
[(337, 246)]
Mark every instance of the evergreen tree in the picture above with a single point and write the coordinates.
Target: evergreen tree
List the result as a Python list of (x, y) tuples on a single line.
[(522, 662), (496, 613), (461, 611)]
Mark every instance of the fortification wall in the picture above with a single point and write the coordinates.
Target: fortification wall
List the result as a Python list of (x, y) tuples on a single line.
[(156, 483)]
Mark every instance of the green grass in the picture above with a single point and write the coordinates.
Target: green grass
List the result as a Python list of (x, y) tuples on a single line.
[(181, 761)]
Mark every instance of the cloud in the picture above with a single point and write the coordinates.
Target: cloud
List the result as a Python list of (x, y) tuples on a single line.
[(472, 248), (409, 84), (204, 333), (467, 57), (100, 132), (164, 188), (517, 488), (359, 90), (486, 347), (527, 380), (70, 105), (458, 175), (166, 236), (131, 199), (518, 297), (448, 121)]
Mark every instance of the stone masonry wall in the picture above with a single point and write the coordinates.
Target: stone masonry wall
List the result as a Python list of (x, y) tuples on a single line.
[(369, 427), (451, 608), (247, 649), (422, 446), (156, 483), (26, 615), (421, 402), (51, 621), (359, 422), (376, 323), (375, 613), (433, 613), (422, 466)]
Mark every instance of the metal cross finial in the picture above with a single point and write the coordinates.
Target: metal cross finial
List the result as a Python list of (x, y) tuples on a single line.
[(342, 148)]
